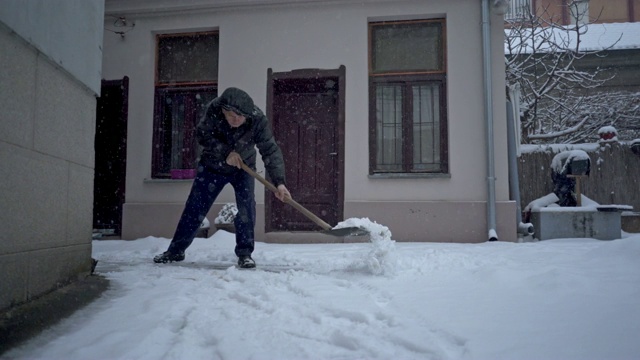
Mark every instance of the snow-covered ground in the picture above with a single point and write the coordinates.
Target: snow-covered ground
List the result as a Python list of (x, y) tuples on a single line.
[(557, 299)]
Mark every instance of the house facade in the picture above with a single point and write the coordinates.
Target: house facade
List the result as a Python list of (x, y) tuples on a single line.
[(378, 106), (558, 11), (50, 70)]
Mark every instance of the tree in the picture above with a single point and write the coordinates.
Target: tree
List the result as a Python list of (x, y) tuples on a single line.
[(560, 100)]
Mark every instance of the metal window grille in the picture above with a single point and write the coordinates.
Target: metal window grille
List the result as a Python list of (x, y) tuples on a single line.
[(518, 9)]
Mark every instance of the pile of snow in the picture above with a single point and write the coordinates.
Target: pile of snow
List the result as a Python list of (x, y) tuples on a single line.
[(548, 202), (381, 259), (205, 224)]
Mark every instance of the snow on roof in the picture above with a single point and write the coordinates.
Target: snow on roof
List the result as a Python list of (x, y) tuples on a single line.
[(600, 36), (616, 36)]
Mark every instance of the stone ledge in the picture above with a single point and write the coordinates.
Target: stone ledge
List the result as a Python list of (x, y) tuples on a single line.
[(574, 222), (311, 237), (22, 322)]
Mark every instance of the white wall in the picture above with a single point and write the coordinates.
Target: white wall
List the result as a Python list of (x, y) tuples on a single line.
[(63, 30), (317, 36)]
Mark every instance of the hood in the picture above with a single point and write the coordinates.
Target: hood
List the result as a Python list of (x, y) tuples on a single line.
[(236, 100)]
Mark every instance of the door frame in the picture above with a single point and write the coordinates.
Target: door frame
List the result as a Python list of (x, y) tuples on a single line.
[(302, 74)]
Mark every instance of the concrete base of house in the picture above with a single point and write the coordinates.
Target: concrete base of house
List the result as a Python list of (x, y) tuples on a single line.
[(438, 221), (311, 237), (140, 220), (408, 221), (573, 222)]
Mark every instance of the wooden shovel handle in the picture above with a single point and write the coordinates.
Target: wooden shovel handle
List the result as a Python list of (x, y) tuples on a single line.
[(288, 200)]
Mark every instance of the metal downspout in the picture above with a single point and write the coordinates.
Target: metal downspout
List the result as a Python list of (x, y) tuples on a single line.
[(524, 229), (488, 115)]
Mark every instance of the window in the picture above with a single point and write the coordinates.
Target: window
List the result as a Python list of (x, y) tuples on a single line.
[(186, 81), (579, 11), (518, 9), (407, 98)]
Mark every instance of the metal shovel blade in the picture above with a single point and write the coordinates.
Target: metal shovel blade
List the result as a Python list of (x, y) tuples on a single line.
[(347, 231)]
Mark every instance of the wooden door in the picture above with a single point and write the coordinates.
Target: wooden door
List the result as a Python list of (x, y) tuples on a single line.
[(306, 113), (110, 156)]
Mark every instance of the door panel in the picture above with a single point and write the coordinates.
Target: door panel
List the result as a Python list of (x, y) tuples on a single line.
[(306, 115)]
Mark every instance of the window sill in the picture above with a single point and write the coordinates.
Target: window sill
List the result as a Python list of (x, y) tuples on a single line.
[(165, 181), (410, 176)]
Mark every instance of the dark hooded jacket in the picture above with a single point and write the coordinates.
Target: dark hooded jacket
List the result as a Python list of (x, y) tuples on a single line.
[(218, 138)]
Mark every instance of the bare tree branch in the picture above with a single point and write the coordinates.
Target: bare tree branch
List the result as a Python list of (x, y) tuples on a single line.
[(560, 133), (559, 100)]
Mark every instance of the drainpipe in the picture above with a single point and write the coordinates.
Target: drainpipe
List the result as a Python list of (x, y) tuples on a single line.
[(525, 229), (488, 116)]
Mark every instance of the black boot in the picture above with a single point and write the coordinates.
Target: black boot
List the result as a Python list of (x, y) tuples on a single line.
[(246, 262), (167, 256)]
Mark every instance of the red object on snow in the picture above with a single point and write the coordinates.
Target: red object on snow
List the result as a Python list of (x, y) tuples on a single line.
[(607, 135)]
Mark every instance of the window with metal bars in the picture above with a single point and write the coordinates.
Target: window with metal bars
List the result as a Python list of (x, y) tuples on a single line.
[(518, 9), (186, 81), (407, 97)]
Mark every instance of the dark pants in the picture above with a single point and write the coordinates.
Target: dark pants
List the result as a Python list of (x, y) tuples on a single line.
[(206, 187)]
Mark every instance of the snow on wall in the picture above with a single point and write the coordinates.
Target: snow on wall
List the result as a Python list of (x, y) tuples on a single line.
[(613, 36)]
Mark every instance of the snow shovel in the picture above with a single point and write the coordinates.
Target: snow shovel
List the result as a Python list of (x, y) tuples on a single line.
[(327, 229)]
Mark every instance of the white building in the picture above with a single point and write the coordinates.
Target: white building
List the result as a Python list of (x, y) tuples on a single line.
[(378, 106)]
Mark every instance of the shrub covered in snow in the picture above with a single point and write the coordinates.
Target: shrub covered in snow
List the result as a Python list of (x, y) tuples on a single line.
[(226, 214)]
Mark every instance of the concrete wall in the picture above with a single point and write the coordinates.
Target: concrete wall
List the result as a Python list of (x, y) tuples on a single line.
[(321, 34), (64, 31), (622, 67), (576, 222), (47, 128)]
